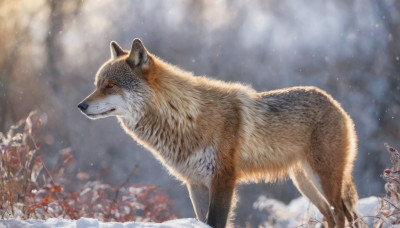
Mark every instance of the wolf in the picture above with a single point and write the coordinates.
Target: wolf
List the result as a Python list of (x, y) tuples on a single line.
[(212, 135)]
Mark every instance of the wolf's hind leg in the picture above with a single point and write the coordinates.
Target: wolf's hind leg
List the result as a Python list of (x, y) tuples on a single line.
[(305, 185), (199, 195)]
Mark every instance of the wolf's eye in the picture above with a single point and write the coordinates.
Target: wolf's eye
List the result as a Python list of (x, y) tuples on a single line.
[(110, 85)]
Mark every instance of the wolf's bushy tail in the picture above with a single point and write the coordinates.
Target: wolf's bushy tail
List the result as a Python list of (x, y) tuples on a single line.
[(349, 200), (349, 194)]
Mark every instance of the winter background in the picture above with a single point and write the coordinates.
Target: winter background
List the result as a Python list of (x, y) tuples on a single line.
[(51, 50)]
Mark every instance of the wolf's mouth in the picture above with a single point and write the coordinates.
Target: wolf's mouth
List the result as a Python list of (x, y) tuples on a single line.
[(100, 114)]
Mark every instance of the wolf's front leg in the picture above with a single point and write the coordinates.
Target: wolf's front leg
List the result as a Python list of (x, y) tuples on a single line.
[(221, 194), (199, 195)]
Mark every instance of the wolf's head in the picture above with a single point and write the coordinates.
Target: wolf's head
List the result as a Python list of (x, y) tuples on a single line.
[(121, 83)]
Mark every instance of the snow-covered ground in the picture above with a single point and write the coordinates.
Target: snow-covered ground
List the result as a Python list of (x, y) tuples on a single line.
[(300, 211), (268, 211), (94, 223)]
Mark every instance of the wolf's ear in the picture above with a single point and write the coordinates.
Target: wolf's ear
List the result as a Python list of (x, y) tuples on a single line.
[(116, 50), (138, 56)]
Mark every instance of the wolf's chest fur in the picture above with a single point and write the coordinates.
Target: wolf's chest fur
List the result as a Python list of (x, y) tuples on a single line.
[(178, 150)]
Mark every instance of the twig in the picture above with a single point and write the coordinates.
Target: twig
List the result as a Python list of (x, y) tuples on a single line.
[(312, 220), (119, 188), (362, 219), (47, 170), (44, 165), (391, 203), (394, 179), (394, 213)]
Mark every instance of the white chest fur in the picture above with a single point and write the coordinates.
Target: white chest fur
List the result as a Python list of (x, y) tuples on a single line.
[(199, 166)]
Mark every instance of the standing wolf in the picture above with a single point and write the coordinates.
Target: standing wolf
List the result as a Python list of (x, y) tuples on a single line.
[(212, 135)]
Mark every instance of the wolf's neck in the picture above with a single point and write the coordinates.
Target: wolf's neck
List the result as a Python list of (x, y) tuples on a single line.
[(168, 121)]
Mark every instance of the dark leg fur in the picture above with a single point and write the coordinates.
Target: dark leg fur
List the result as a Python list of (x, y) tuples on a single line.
[(221, 195)]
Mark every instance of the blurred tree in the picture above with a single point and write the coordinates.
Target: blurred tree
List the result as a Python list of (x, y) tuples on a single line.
[(10, 46), (61, 13), (30, 28)]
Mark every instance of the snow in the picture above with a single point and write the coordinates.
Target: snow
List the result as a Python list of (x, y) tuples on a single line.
[(270, 211), (299, 211), (94, 223)]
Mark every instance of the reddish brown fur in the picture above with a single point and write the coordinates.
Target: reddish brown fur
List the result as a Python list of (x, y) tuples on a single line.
[(212, 134)]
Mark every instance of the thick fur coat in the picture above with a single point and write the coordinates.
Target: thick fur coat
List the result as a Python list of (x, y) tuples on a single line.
[(212, 135)]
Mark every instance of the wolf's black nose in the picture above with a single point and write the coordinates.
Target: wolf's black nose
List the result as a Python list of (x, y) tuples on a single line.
[(83, 106)]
